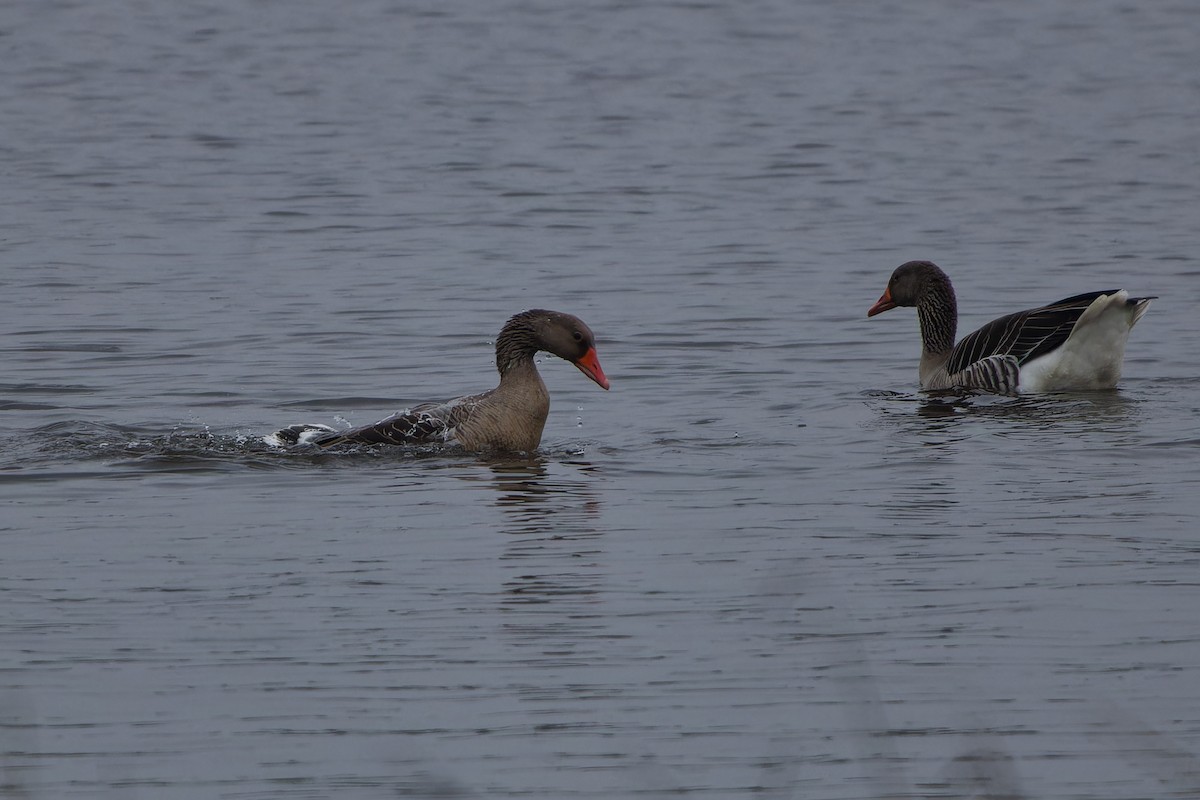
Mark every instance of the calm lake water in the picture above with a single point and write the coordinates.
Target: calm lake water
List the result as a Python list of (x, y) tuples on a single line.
[(763, 565)]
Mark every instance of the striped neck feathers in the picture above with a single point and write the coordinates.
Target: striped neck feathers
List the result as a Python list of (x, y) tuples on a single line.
[(518, 342), (937, 312)]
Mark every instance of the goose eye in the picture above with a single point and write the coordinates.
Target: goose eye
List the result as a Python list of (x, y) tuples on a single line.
[(577, 336)]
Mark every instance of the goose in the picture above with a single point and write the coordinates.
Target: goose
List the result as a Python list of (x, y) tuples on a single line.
[(1075, 344), (509, 417)]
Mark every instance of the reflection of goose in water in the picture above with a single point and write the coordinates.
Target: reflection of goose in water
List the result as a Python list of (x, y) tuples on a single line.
[(1072, 345), (541, 498), (950, 411), (935, 442), (519, 482), (509, 417), (1062, 413), (551, 517)]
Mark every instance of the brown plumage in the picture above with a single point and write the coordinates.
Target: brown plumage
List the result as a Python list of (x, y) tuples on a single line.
[(508, 417)]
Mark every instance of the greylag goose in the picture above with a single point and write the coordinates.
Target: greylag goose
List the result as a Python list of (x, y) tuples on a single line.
[(1074, 344), (509, 417)]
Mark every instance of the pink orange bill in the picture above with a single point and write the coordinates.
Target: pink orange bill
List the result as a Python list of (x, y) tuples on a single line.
[(589, 364), (885, 304)]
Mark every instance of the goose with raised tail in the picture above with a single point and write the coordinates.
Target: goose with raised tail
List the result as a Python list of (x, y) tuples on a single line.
[(1075, 344), (509, 417)]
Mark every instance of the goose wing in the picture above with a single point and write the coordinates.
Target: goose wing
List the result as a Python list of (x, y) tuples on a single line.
[(423, 424), (1024, 335)]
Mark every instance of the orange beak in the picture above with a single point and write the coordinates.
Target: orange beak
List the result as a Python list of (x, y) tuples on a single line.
[(589, 364), (885, 304)]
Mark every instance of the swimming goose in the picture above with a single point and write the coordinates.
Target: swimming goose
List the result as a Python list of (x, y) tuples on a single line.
[(509, 417), (1074, 344)]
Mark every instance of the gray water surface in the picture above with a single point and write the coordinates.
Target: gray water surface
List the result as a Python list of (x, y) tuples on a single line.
[(763, 565)]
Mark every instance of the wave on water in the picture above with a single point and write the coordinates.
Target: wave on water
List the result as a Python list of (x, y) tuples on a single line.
[(72, 444)]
